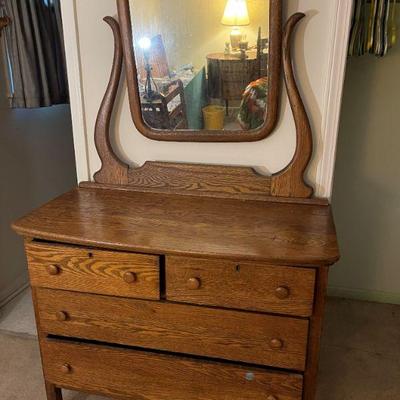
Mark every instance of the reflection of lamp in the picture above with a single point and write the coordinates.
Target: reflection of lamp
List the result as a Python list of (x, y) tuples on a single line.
[(236, 14), (145, 44)]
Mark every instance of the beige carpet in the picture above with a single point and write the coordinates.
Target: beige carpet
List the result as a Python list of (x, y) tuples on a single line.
[(18, 315), (360, 357)]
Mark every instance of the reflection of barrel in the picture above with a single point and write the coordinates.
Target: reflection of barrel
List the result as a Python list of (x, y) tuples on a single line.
[(214, 117), (228, 76)]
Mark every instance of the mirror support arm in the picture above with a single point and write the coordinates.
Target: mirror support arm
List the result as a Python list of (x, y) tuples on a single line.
[(290, 181), (113, 170)]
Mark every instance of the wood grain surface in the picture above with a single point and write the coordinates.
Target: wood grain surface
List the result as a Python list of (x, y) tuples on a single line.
[(93, 271), (282, 234), (242, 183), (241, 285), (201, 180), (224, 334), (131, 374)]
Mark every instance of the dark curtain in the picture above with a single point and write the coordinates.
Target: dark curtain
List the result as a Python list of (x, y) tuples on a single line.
[(35, 52)]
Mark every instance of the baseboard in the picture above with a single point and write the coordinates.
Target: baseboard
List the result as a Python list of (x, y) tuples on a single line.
[(365, 295), (19, 286)]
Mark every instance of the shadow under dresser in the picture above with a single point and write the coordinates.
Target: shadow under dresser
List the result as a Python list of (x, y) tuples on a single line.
[(171, 297)]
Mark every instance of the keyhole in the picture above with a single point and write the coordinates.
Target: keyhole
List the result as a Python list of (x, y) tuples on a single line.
[(238, 268), (249, 376), (90, 255)]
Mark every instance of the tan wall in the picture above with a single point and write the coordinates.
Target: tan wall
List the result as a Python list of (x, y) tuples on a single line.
[(367, 181), (191, 29), (36, 164)]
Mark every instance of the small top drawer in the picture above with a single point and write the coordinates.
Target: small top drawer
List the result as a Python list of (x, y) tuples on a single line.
[(249, 286), (93, 271)]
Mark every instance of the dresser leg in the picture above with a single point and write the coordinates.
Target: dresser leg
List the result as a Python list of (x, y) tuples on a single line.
[(311, 374), (53, 392)]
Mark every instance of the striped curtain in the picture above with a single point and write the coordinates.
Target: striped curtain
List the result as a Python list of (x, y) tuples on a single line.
[(374, 27)]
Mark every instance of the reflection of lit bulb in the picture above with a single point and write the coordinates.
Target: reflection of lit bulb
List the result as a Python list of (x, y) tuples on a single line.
[(145, 43)]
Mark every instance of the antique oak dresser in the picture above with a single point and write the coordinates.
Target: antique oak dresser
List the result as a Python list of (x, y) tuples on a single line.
[(181, 281)]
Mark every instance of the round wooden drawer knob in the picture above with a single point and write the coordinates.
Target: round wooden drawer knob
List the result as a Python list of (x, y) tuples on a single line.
[(282, 292), (276, 344), (272, 398), (66, 368), (61, 316), (130, 277), (193, 283), (53, 269)]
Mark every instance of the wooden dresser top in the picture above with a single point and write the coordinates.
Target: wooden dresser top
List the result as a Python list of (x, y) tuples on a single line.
[(273, 232)]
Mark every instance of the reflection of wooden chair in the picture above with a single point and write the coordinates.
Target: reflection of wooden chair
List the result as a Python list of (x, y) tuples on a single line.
[(167, 111)]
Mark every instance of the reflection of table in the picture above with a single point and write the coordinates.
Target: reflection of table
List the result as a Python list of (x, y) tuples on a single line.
[(228, 75)]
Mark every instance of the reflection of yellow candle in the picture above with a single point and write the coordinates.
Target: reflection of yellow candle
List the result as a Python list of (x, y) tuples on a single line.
[(236, 14)]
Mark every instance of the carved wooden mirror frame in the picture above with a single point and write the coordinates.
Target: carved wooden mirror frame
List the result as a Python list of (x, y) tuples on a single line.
[(187, 135), (243, 183)]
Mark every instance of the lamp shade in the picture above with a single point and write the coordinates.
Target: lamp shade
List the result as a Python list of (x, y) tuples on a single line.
[(236, 13)]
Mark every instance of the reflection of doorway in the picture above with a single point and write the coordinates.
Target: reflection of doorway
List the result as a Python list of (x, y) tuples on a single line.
[(36, 164)]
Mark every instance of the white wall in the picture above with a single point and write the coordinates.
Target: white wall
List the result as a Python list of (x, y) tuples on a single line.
[(320, 48), (367, 183), (36, 164)]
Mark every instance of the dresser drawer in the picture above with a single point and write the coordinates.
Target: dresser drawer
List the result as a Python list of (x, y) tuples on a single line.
[(275, 289), (94, 271), (232, 335), (125, 373)]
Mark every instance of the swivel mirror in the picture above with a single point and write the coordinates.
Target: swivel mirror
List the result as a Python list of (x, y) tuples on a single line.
[(203, 70)]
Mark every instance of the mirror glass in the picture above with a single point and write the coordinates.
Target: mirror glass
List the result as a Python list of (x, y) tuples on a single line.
[(202, 64)]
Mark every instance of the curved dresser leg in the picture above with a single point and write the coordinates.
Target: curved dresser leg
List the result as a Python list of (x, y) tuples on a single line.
[(53, 392)]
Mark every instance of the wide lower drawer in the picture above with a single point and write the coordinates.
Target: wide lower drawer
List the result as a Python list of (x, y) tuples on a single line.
[(249, 286), (232, 335), (133, 374), (94, 271)]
